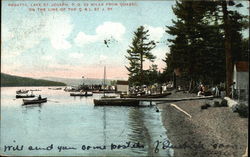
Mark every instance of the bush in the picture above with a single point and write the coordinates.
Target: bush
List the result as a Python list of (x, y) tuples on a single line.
[(242, 109), (216, 104), (223, 103)]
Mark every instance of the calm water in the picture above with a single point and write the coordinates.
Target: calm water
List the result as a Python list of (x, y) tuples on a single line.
[(75, 121)]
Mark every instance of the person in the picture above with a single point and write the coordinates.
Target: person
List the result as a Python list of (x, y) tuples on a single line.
[(39, 97), (201, 90), (217, 92)]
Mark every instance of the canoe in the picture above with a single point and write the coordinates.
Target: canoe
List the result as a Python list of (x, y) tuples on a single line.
[(25, 96), (34, 101), (81, 94), (145, 96), (116, 102)]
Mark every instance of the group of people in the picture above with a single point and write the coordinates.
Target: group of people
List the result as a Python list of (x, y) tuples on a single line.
[(203, 91)]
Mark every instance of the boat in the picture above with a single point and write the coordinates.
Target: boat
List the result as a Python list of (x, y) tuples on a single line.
[(111, 101), (111, 96), (81, 94), (25, 96), (34, 101), (71, 89), (35, 90), (116, 102), (106, 91), (22, 91), (55, 88), (145, 96)]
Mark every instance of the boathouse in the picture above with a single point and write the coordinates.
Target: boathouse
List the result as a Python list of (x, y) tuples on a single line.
[(122, 86), (241, 81)]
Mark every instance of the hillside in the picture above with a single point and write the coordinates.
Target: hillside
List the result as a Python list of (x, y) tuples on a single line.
[(11, 80)]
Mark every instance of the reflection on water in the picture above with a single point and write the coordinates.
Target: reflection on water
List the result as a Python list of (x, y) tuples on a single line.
[(139, 131), (74, 121)]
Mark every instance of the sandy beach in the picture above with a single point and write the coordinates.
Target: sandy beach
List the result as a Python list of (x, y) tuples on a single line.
[(215, 131)]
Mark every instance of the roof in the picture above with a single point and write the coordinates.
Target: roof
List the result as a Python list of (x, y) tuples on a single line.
[(242, 66), (121, 82)]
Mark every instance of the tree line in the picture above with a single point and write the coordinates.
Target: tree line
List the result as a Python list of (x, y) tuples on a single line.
[(207, 41)]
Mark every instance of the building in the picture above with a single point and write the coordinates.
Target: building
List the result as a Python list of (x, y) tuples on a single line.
[(241, 81), (122, 86)]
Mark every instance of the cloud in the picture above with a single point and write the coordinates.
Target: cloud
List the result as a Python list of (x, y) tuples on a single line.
[(156, 33), (58, 28), (105, 31), (30, 31), (82, 38), (108, 29), (76, 55)]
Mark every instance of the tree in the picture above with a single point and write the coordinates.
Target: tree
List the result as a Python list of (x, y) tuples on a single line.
[(138, 52), (233, 24), (207, 40), (152, 75), (194, 49)]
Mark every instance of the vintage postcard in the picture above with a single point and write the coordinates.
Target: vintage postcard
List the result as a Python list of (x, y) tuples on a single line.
[(124, 78)]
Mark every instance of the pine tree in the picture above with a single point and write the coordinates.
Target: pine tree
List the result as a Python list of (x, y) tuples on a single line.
[(204, 31), (138, 52), (187, 51)]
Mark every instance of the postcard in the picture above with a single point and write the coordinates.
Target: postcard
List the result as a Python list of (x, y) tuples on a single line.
[(124, 78)]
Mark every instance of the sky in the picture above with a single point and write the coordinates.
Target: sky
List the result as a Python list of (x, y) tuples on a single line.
[(70, 43)]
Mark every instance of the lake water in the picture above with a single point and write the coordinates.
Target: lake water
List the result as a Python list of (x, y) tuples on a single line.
[(76, 123)]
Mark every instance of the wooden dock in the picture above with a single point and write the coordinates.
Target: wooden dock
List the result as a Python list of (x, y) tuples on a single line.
[(174, 99), (111, 100)]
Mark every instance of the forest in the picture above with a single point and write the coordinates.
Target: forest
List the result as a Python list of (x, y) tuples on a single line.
[(207, 40)]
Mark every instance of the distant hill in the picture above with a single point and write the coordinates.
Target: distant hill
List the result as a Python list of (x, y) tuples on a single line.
[(76, 82), (12, 80)]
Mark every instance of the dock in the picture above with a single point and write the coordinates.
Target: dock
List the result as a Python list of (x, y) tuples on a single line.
[(121, 100), (174, 99)]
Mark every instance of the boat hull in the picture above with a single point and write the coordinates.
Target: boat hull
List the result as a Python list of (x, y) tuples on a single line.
[(116, 102), (25, 96), (22, 92), (34, 101), (79, 94)]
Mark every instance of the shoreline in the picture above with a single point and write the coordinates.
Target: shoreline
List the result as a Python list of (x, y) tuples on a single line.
[(216, 130)]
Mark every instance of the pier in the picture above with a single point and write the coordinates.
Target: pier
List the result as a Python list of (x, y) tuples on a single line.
[(120, 101)]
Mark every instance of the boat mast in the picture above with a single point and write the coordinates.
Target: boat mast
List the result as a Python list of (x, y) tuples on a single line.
[(104, 83)]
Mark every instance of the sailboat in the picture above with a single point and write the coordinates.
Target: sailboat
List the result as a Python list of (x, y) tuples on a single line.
[(104, 85), (111, 100)]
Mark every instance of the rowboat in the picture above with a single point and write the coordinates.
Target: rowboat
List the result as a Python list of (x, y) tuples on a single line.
[(25, 96), (34, 101), (55, 88), (81, 94), (145, 96), (116, 102), (22, 91)]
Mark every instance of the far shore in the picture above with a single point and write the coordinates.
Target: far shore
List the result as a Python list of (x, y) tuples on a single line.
[(218, 130)]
